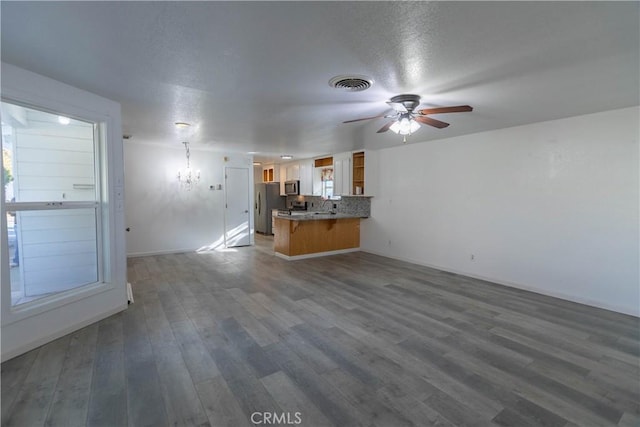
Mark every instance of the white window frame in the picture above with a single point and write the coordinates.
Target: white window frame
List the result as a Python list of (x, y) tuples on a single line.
[(12, 314), (24, 331)]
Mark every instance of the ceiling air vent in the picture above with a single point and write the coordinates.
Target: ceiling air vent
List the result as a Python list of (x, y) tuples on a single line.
[(351, 83)]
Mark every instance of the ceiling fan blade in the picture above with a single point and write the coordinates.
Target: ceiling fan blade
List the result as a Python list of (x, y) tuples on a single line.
[(398, 106), (386, 127), (431, 122), (365, 118), (441, 110)]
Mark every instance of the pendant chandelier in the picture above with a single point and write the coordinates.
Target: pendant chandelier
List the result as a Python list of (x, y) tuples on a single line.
[(187, 177)]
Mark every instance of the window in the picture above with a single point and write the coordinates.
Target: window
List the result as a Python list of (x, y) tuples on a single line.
[(327, 182), (50, 175)]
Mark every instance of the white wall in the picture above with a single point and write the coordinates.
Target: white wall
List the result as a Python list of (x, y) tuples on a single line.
[(165, 218), (551, 207)]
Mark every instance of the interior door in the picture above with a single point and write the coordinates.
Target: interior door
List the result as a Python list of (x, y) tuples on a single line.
[(237, 229)]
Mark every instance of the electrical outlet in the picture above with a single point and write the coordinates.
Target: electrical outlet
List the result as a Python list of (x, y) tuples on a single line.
[(335, 206)]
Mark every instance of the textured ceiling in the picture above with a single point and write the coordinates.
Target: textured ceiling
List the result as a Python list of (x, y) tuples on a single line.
[(253, 76)]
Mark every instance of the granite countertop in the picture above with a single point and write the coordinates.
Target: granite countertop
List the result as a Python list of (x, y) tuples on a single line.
[(316, 216)]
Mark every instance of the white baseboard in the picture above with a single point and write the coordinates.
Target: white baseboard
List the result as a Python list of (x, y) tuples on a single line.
[(179, 251), (315, 255), (44, 340), (165, 252), (524, 287)]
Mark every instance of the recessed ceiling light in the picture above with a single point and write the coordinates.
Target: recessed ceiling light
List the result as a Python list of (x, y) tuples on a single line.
[(252, 152), (182, 125), (286, 157), (256, 163), (64, 120)]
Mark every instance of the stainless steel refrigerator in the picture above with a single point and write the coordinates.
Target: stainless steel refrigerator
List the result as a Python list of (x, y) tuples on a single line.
[(267, 198)]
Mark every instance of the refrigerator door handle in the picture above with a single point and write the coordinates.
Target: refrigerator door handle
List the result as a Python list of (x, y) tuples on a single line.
[(259, 203)]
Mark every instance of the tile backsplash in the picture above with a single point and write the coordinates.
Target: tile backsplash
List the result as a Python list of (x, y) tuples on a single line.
[(352, 205)]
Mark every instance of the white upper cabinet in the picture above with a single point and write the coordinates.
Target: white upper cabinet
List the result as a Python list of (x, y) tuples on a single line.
[(305, 169), (283, 178), (353, 171), (293, 171), (342, 174), (317, 181)]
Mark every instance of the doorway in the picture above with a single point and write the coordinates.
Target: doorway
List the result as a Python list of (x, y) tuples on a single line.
[(237, 231)]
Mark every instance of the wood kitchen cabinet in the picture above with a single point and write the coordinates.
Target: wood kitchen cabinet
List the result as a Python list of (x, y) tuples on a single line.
[(364, 173), (296, 239), (270, 173), (358, 180)]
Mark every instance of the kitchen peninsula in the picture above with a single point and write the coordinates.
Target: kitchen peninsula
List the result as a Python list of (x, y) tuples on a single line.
[(316, 234)]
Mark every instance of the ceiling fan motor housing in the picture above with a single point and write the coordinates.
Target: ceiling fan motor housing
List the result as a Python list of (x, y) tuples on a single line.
[(410, 102)]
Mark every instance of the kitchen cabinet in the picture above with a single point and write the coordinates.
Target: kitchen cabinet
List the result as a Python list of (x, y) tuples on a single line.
[(351, 169), (364, 173), (297, 238), (305, 175), (342, 174), (357, 162), (293, 171), (270, 173), (317, 181), (283, 177)]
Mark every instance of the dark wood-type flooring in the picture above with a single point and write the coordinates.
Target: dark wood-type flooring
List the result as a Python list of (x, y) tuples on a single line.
[(347, 340)]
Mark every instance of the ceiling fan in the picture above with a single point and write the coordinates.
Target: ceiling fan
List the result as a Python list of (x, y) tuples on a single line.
[(406, 119)]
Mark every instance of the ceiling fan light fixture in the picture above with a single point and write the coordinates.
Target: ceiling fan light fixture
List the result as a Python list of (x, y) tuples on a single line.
[(407, 119), (405, 126)]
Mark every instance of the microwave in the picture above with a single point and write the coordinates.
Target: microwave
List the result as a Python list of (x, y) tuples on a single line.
[(292, 188)]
